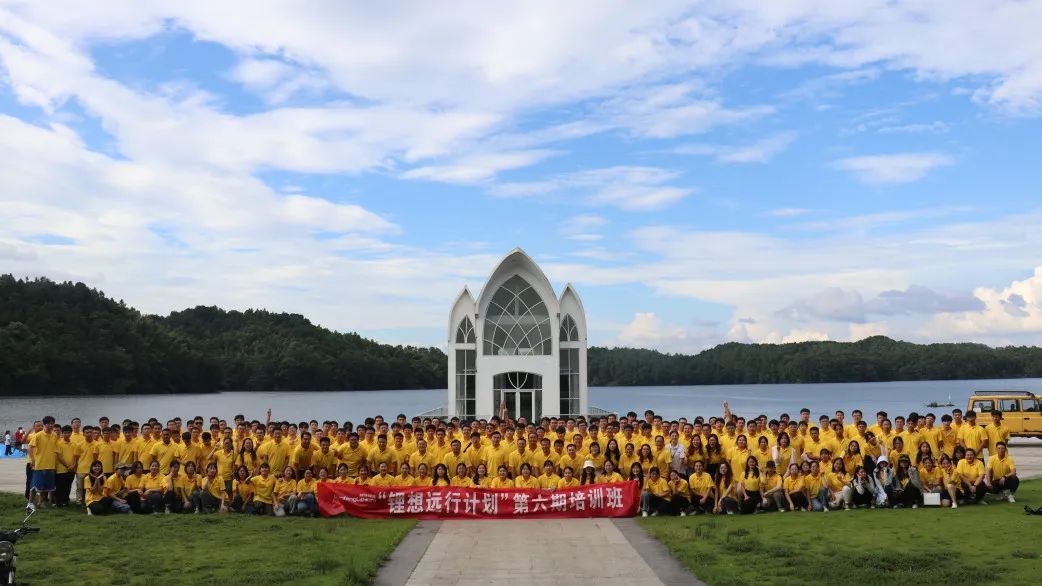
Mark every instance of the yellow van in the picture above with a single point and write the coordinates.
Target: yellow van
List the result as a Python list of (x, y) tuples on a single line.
[(1021, 410)]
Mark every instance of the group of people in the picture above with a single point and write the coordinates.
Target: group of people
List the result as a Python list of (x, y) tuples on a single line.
[(727, 464)]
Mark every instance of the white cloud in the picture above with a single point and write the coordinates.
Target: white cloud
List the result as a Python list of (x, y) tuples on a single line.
[(787, 212), (760, 151), (584, 227), (625, 187), (893, 168), (648, 330), (1007, 315), (477, 168), (924, 127)]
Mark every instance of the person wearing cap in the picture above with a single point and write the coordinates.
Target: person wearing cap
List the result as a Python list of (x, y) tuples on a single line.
[(589, 473), (884, 478)]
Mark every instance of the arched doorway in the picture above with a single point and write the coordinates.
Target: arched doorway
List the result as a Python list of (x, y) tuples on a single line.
[(520, 392)]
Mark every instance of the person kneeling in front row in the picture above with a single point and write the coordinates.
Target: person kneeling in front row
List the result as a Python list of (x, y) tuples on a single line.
[(1002, 473)]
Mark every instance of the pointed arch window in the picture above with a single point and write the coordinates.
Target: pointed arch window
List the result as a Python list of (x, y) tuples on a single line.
[(569, 331), (517, 322), (465, 332)]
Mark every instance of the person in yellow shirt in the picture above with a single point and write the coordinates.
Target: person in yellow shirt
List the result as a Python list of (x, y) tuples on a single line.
[(549, 479), (997, 432), (726, 490), (384, 455), (163, 452), (571, 459), (525, 479), (701, 486), (422, 456), (67, 454), (441, 476), (837, 484), (461, 479), (211, 497), (43, 452), (772, 495), (568, 479), (794, 487), (655, 496), (383, 477), (263, 485), (353, 454), (278, 453), (748, 491), (242, 492), (155, 485), (422, 476), (679, 494), (1001, 477), (971, 475), (610, 475), (972, 436), (286, 491), (502, 479), (403, 478), (305, 500)]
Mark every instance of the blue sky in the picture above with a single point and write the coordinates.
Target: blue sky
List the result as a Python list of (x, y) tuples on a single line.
[(700, 172)]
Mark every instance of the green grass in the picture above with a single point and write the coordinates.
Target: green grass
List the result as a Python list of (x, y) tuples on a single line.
[(73, 548), (996, 543)]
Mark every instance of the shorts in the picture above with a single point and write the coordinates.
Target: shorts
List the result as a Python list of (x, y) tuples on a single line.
[(43, 480)]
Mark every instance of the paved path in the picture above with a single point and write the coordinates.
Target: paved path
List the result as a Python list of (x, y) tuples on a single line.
[(527, 552)]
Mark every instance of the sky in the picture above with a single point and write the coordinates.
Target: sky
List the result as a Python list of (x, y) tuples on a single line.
[(700, 172)]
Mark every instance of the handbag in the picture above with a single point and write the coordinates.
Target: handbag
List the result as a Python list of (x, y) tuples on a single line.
[(932, 499)]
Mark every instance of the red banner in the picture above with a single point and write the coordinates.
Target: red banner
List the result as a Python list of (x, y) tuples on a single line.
[(621, 499)]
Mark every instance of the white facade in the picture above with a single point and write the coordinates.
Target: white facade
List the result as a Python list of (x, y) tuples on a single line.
[(519, 344)]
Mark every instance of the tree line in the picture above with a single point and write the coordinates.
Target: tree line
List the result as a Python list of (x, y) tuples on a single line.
[(67, 338)]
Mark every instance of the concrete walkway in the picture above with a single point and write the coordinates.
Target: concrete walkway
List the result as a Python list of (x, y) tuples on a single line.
[(527, 552)]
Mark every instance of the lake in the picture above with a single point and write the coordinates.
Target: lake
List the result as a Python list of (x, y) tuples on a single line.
[(670, 401)]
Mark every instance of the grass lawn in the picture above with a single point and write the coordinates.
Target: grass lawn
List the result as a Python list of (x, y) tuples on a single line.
[(73, 548), (996, 543)]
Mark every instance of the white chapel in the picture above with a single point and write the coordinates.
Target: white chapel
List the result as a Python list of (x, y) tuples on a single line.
[(519, 345)]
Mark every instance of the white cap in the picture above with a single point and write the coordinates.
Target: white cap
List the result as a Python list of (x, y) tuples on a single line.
[(588, 464), (883, 459)]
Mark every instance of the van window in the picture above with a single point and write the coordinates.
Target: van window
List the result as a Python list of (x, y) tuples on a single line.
[(1008, 405), (983, 405), (1031, 405)]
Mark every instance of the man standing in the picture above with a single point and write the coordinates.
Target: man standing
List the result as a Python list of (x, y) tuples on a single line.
[(43, 449)]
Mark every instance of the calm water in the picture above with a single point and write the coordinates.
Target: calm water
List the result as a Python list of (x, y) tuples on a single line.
[(671, 402)]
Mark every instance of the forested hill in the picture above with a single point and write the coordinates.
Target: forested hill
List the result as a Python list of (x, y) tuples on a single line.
[(70, 339), (873, 359)]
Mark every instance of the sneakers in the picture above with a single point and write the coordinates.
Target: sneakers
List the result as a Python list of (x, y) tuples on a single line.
[(955, 506), (89, 514), (846, 507), (1010, 498), (983, 502), (655, 514), (683, 514), (915, 506), (643, 513)]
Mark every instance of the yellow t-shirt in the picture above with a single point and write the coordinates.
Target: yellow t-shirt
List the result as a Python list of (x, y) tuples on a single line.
[(264, 489), (244, 490), (610, 478), (973, 437), (700, 483), (659, 488), (970, 472), (931, 479), (498, 482), (214, 486), (750, 483), (999, 467), (681, 488), (91, 496), (68, 450), (793, 484), (462, 482), (382, 480), (225, 464), (153, 482), (163, 453), (550, 482), (45, 447), (531, 482), (284, 487), (304, 485), (353, 457), (568, 483)]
